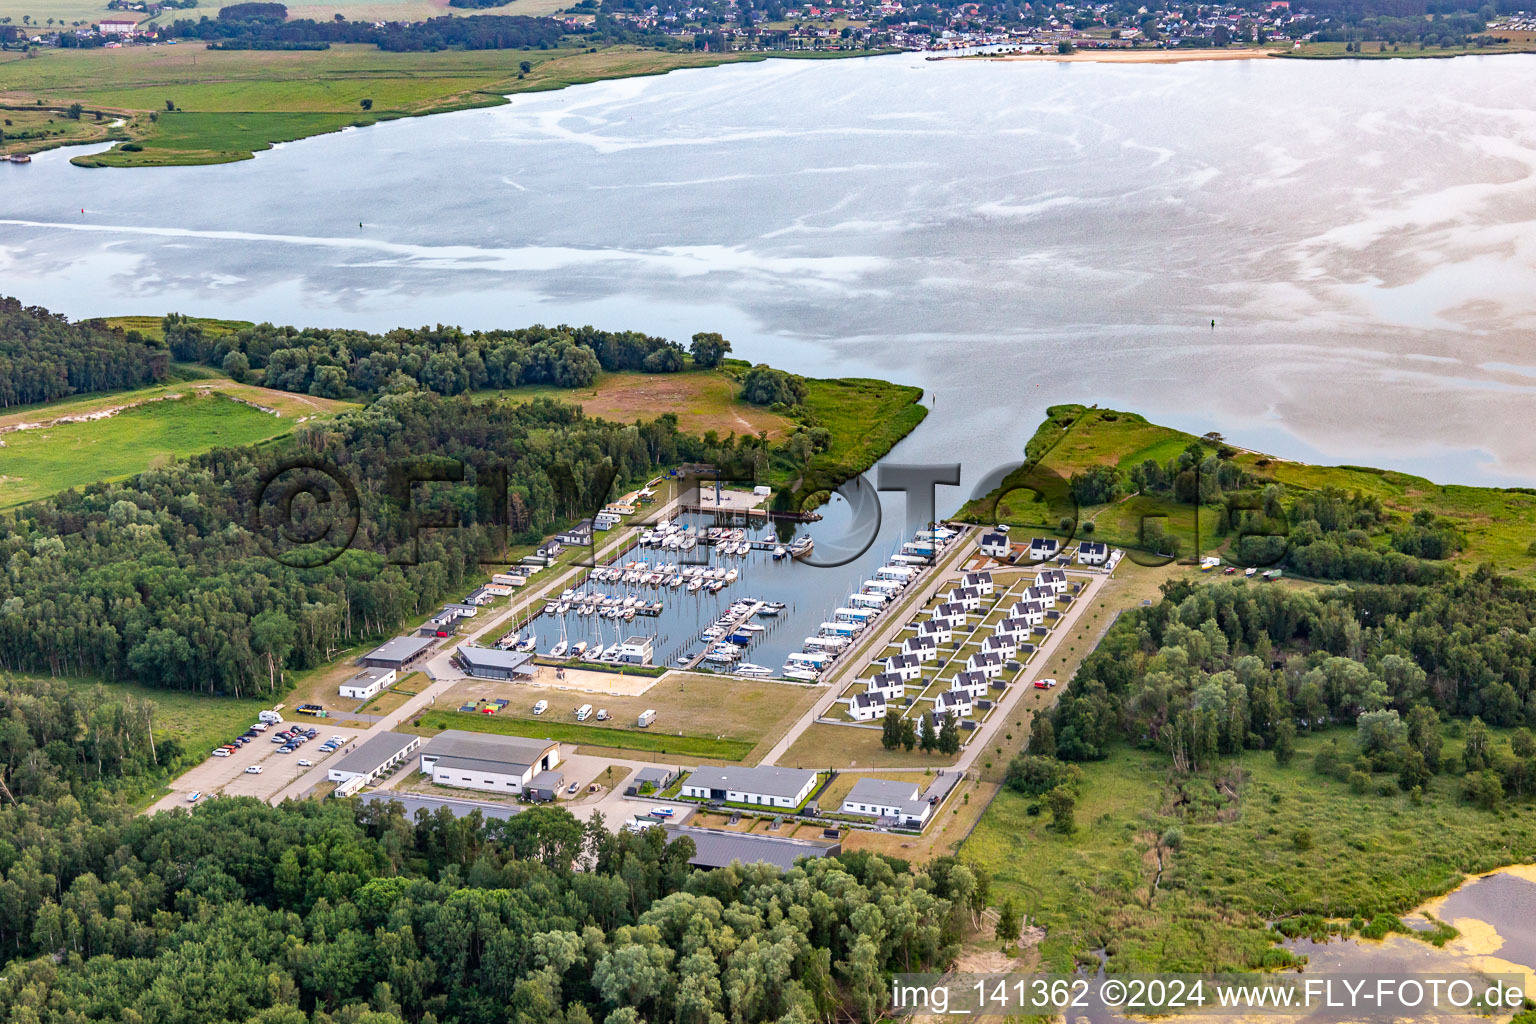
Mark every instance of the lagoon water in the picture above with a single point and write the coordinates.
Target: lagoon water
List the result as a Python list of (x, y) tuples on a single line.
[(1007, 235)]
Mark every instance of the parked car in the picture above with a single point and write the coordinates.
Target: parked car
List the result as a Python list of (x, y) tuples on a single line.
[(573, 787), (254, 769), (1044, 684), (541, 707), (220, 752), (306, 764)]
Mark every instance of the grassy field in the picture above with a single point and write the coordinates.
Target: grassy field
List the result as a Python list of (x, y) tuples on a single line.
[(231, 104), (606, 737), (1230, 859), (753, 712), (195, 720), (58, 450), (30, 129), (702, 400), (1498, 525), (866, 417)]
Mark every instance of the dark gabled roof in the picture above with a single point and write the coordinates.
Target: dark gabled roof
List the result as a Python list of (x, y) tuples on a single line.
[(994, 539), (886, 680), (868, 700)]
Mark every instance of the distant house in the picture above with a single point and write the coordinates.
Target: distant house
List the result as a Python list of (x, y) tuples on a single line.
[(889, 685), (940, 629), (867, 706), (550, 549), (1093, 552), (117, 27), (989, 663), (1054, 580), (1007, 646), (995, 545), (1043, 594), (579, 535), (954, 702), (1012, 627), (606, 520), (883, 798), (952, 611), (480, 596), (925, 647), (982, 581), (1041, 548), (1031, 613), (968, 598), (970, 682), (908, 666)]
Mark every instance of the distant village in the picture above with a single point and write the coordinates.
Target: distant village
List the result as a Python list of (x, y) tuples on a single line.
[(865, 25)]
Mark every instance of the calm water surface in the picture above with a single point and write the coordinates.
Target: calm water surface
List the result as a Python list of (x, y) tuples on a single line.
[(1006, 235)]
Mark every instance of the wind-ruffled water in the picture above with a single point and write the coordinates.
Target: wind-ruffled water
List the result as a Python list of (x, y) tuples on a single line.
[(1006, 235)]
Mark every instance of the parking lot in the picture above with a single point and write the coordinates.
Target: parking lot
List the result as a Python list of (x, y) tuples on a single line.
[(228, 776)]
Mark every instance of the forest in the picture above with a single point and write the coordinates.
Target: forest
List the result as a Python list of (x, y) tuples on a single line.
[(336, 911), (262, 26), (446, 360), (1211, 671), (45, 357), (162, 578)]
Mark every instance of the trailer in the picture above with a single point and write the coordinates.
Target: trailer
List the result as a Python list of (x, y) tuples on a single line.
[(646, 717)]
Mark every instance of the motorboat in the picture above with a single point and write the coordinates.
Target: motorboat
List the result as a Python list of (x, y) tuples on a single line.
[(746, 668)]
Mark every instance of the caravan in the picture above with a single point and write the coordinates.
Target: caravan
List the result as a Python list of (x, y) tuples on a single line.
[(584, 712)]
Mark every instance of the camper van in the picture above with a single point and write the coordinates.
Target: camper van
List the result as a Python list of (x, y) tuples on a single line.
[(647, 717), (583, 712), (270, 717)]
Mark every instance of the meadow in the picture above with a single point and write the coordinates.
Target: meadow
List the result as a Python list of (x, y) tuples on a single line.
[(587, 736), (230, 104), (1184, 873), (55, 451), (702, 400)]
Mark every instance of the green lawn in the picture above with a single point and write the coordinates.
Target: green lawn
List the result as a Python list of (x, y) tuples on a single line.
[(1234, 864), (866, 417), (42, 461), (612, 737)]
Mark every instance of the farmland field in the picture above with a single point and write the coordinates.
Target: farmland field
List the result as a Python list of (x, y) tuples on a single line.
[(702, 400), (46, 449)]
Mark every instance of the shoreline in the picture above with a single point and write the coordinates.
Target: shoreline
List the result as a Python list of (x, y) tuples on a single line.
[(1129, 56)]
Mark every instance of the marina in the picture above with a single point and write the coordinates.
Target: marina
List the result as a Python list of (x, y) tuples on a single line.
[(726, 598)]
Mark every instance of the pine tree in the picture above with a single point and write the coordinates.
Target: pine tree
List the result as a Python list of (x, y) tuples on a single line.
[(949, 735)]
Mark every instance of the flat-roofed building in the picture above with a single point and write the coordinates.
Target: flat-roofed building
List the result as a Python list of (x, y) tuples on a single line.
[(368, 682), (884, 798), (770, 787), (492, 663), (500, 764), (373, 757), (398, 654), (717, 849)]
